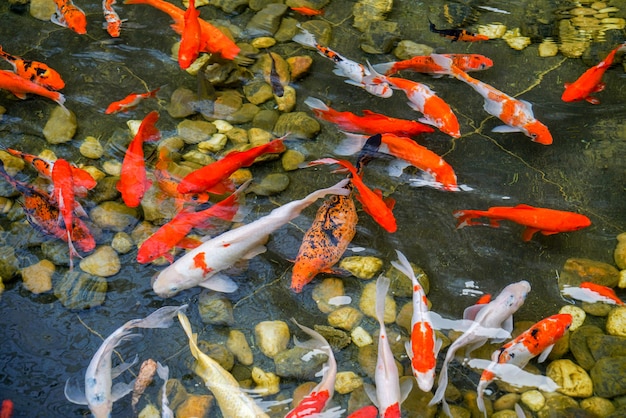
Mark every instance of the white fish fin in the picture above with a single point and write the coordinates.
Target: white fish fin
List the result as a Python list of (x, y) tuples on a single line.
[(529, 107), (383, 67), (220, 283), (260, 249), (161, 318), (351, 144), (544, 355), (370, 391), (403, 265), (382, 286), (349, 81), (74, 392), (507, 325), (335, 412), (406, 384), (519, 411), (163, 372), (121, 389), (516, 376), (58, 18), (443, 61), (442, 383), (121, 368), (471, 311), (305, 38), (440, 322), (396, 167), (506, 129), (409, 352), (424, 120), (315, 103)]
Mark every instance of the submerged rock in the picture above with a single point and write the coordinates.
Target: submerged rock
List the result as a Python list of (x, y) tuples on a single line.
[(114, 216), (215, 308), (345, 318), (60, 127), (79, 290), (266, 21), (362, 267), (271, 184), (9, 264), (238, 345), (37, 277), (103, 262), (299, 363), (272, 337), (195, 406), (300, 124), (609, 377), (367, 304), (572, 379), (616, 322)]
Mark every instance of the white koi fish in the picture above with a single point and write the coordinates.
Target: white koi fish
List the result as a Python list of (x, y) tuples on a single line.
[(496, 314), (100, 393), (164, 374), (202, 265), (424, 345), (233, 402)]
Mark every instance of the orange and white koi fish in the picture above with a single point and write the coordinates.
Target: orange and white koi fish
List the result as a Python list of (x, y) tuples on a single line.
[(130, 102), (70, 16), (486, 320), (516, 114), (6, 410), (457, 34), (315, 402), (133, 182), (355, 72), (325, 241), (370, 123), (99, 394), (424, 345), (190, 41), (202, 265), (213, 40), (63, 194), (205, 178), (113, 21), (422, 99), (538, 340), (410, 153), (389, 393), (173, 232), (20, 87), (590, 81), (35, 71), (546, 221), (307, 11), (425, 64), (592, 293)]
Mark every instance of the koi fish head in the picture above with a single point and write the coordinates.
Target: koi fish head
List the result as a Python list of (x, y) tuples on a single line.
[(477, 62), (539, 132), (574, 221), (168, 282)]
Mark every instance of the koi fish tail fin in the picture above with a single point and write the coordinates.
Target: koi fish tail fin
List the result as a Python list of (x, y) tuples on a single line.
[(351, 144), (60, 99), (403, 265), (480, 400), (382, 286), (338, 189), (277, 146), (464, 217), (385, 68), (316, 105), (305, 38), (161, 318)]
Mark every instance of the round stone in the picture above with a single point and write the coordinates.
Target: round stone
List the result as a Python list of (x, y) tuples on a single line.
[(572, 379)]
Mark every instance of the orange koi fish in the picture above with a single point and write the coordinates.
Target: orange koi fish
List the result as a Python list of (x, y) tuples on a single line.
[(538, 340), (411, 153), (6, 410), (370, 123), (35, 71), (20, 86), (63, 194), (70, 16), (133, 182), (421, 98), (130, 102), (592, 292), (113, 21), (425, 64), (546, 221), (516, 114), (205, 178), (190, 41), (307, 11), (213, 40), (590, 81), (172, 234), (457, 34)]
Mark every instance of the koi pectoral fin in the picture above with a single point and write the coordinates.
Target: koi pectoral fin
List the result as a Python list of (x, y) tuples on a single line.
[(74, 393)]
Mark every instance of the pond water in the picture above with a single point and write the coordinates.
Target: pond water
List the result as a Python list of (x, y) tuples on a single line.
[(43, 343)]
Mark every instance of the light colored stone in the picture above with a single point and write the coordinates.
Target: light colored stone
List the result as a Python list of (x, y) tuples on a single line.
[(619, 254), (238, 345), (267, 383), (622, 279), (363, 267), (533, 399), (112, 168), (263, 42), (346, 382), (345, 317), (195, 131), (548, 48), (272, 337), (222, 126), (360, 337), (91, 148), (324, 291), (287, 101), (616, 322), (42, 9), (597, 406), (61, 126), (578, 315), (572, 379), (38, 277), (216, 143), (122, 243), (492, 30), (149, 411), (104, 262), (95, 172), (367, 304)]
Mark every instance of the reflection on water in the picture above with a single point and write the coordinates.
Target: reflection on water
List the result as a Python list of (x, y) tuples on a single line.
[(43, 343)]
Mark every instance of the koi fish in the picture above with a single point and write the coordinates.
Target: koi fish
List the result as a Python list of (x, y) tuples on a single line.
[(546, 221), (133, 182), (424, 345), (144, 379), (63, 194), (425, 64), (590, 81), (113, 21), (411, 153), (173, 233), (213, 40), (98, 394), (35, 71), (422, 99), (370, 123), (355, 72), (457, 34), (205, 178), (538, 340), (315, 402), (274, 78), (130, 102), (389, 394), (202, 265), (368, 411), (307, 11), (325, 241), (592, 293), (233, 402), (164, 373), (516, 114), (20, 87), (190, 41), (495, 315), (70, 16), (6, 410)]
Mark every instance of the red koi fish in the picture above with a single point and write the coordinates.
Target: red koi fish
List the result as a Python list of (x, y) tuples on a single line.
[(370, 123), (35, 71), (63, 194), (368, 411), (113, 21), (457, 34), (133, 182), (20, 87), (590, 81), (130, 102), (410, 153), (173, 233), (592, 292), (516, 114), (6, 410), (70, 16), (546, 221), (425, 64), (307, 11), (538, 340), (190, 41), (213, 40), (205, 178)]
